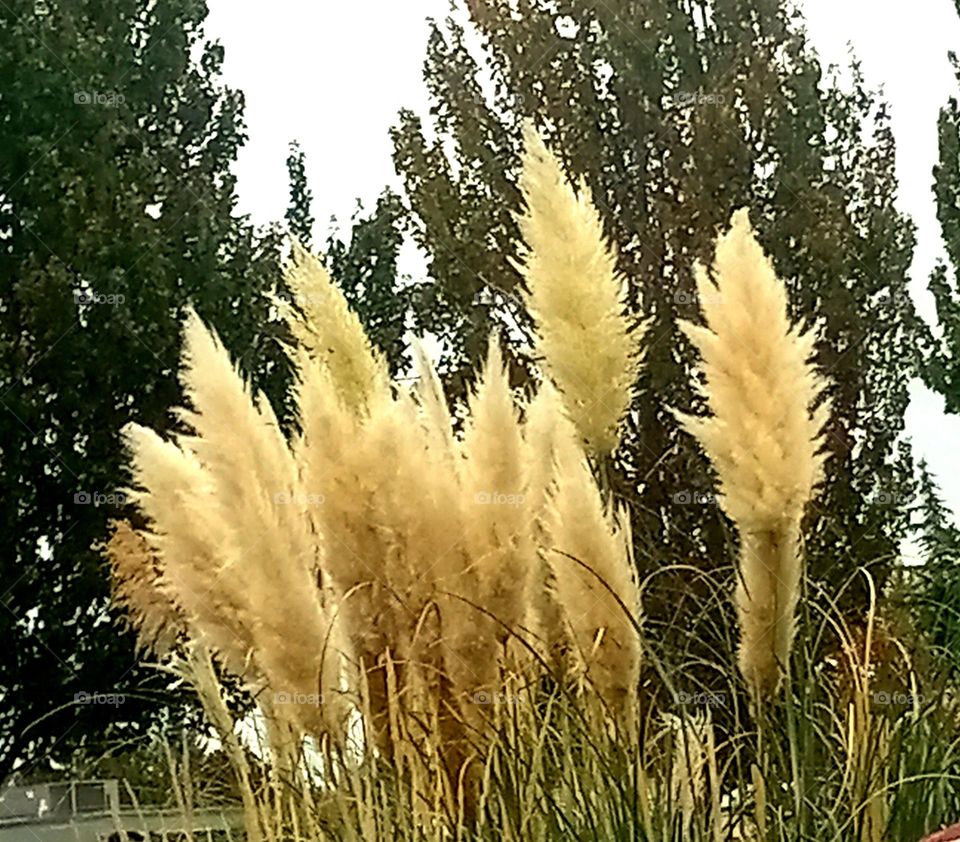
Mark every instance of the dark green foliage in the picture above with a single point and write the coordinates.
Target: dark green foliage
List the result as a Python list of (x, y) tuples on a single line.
[(116, 211), (298, 215), (938, 582), (676, 118), (935, 590), (365, 268), (942, 371)]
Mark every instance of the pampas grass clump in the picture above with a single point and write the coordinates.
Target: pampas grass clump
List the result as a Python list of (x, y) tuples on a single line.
[(464, 594), (375, 561)]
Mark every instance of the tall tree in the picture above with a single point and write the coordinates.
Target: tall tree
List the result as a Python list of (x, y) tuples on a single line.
[(366, 269), (942, 371), (299, 215), (677, 112), (935, 590), (116, 211), (937, 583)]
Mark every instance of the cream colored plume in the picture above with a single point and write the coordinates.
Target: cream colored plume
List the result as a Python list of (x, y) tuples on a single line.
[(324, 325), (390, 517), (577, 299), (764, 437), (541, 426), (692, 741), (499, 526), (435, 412), (232, 490), (173, 492), (600, 603)]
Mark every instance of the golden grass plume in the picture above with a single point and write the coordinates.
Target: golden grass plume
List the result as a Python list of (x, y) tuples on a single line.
[(227, 496), (324, 325), (577, 298)]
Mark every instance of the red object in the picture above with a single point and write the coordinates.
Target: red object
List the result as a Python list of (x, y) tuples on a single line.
[(948, 834)]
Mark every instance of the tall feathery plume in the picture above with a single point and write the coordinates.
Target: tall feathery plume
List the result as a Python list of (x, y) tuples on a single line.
[(434, 410), (342, 380), (274, 552), (465, 551), (691, 737), (764, 437), (390, 518), (323, 325), (576, 298), (593, 577), (545, 615), (486, 578), (173, 492), (250, 501), (498, 530), (333, 451)]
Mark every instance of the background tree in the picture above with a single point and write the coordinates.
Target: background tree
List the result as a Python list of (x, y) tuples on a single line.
[(937, 583), (942, 371), (116, 210), (366, 269), (935, 586), (299, 216), (677, 113)]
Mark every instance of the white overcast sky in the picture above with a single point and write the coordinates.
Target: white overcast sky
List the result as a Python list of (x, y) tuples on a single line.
[(333, 76)]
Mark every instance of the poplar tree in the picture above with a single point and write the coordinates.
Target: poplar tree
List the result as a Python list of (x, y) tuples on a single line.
[(117, 210), (676, 113)]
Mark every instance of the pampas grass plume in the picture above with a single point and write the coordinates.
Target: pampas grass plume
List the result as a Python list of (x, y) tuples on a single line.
[(138, 588), (764, 437), (576, 297), (498, 529), (593, 575), (231, 489), (323, 324)]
